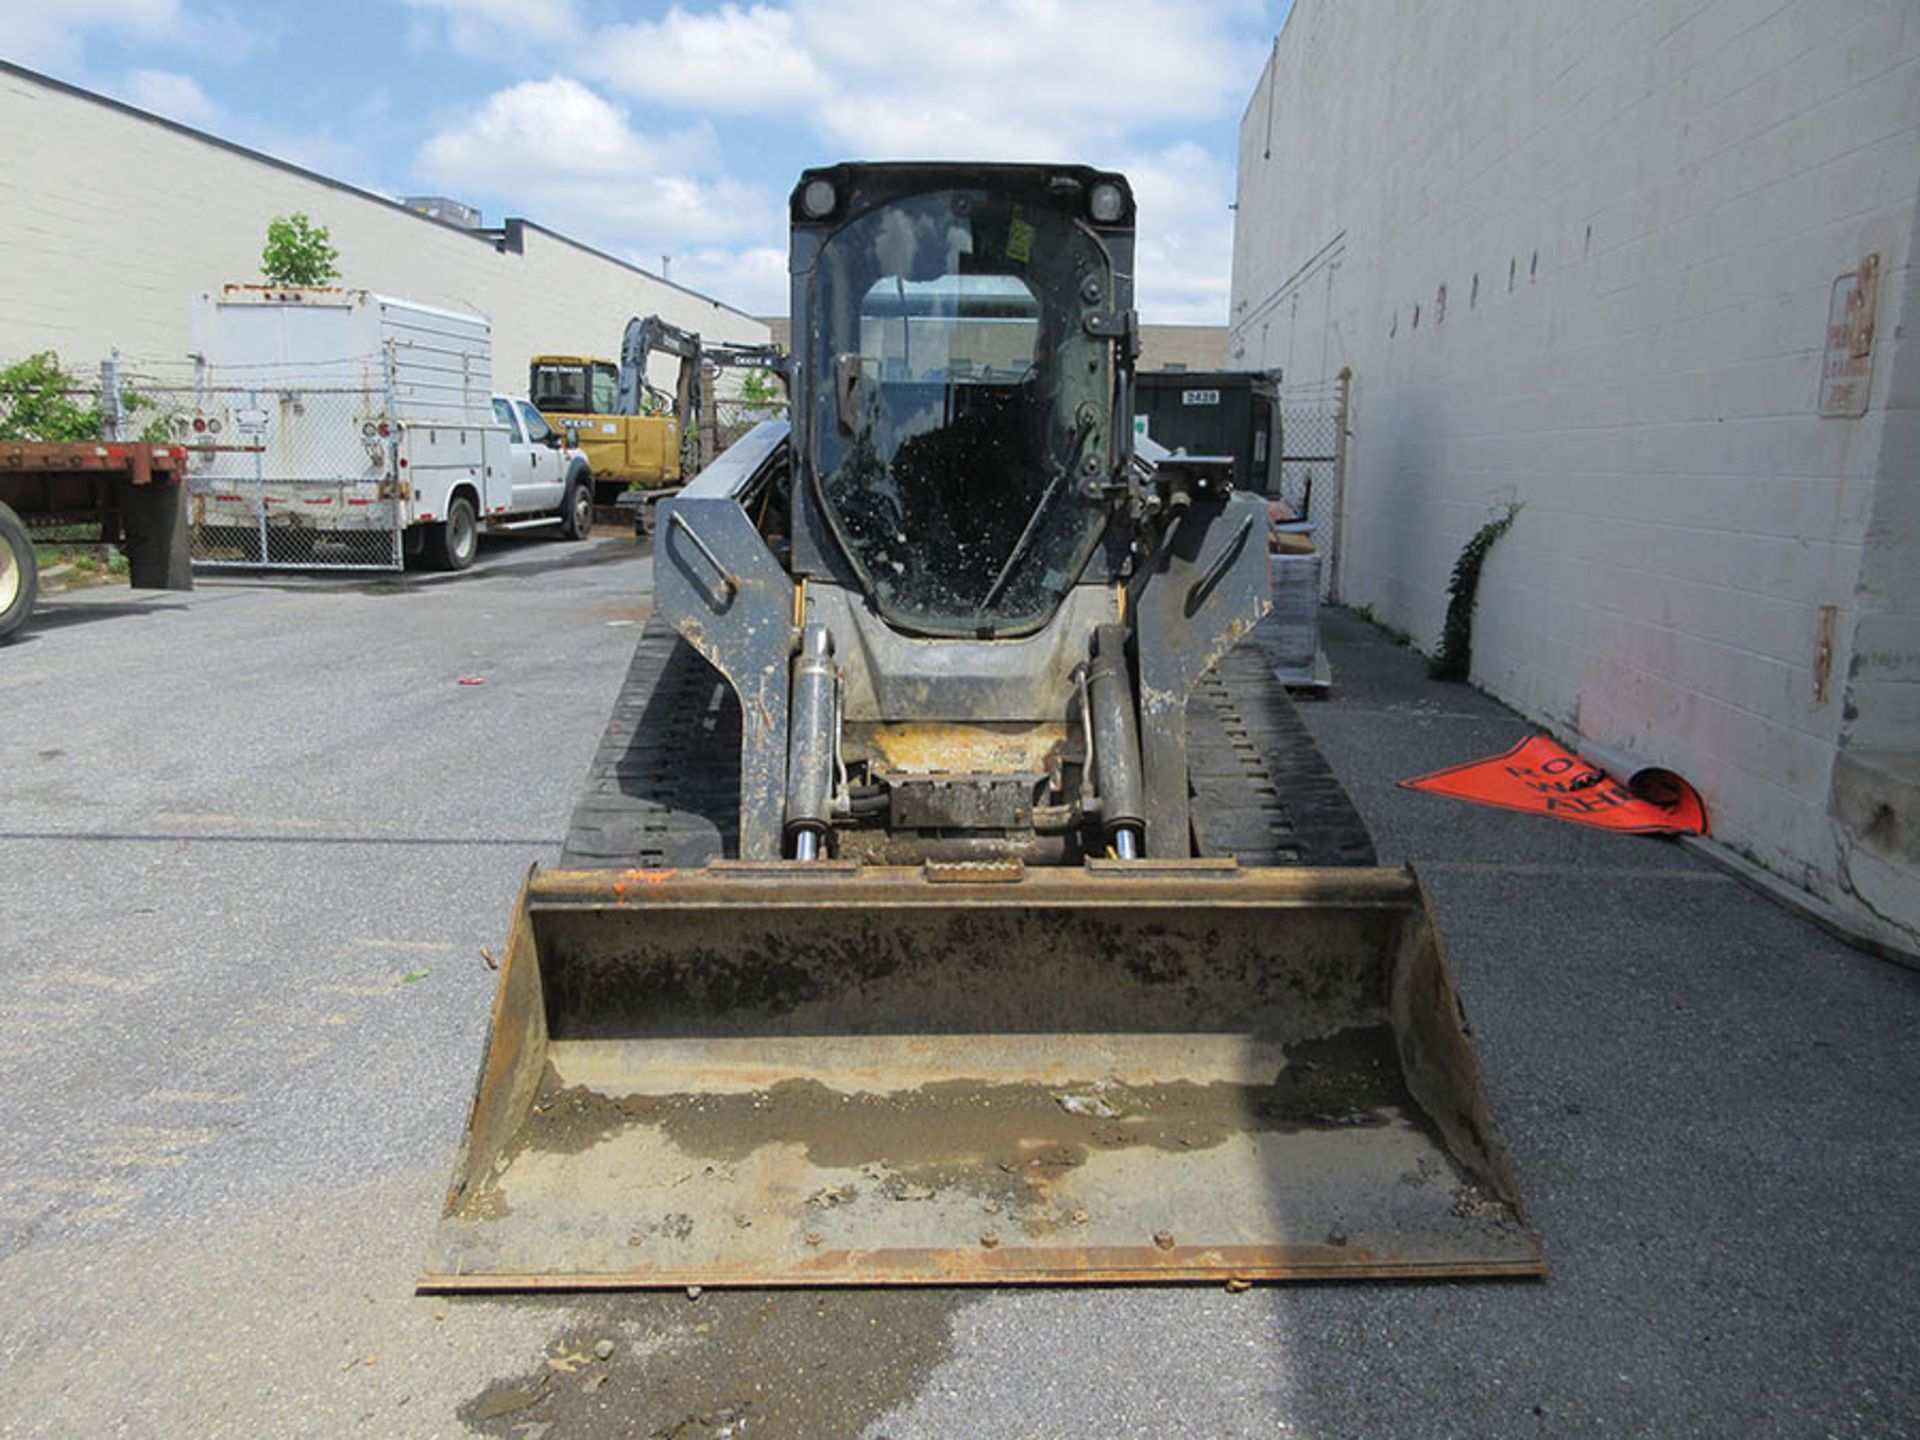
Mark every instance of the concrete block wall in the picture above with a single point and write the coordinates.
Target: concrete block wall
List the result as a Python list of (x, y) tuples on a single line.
[(1579, 257), (112, 221)]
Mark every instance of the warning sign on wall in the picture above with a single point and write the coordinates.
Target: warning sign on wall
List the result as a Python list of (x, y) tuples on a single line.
[(1541, 778), (1846, 367)]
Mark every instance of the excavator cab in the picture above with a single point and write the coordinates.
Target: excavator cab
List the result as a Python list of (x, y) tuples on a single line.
[(955, 897), (567, 385)]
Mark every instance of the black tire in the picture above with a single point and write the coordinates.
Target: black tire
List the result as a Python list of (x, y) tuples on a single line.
[(19, 573), (452, 543), (576, 510)]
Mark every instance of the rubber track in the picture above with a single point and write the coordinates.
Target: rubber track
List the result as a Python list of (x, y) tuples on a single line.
[(1262, 791), (664, 787)]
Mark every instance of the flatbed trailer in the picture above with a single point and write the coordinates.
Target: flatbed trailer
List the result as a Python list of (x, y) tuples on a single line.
[(129, 491)]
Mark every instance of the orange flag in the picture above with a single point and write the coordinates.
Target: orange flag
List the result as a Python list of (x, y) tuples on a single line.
[(1539, 777)]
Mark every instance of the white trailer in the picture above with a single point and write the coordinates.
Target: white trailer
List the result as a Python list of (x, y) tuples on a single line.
[(345, 428)]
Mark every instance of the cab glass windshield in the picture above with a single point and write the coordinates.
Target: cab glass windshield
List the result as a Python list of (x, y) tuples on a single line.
[(560, 388), (958, 397)]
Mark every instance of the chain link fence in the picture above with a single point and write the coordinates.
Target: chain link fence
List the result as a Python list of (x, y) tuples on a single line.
[(300, 476), (1313, 421), (278, 473), (45, 401), (110, 403), (734, 416)]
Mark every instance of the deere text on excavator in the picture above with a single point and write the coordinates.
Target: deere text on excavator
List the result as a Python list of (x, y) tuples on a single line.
[(956, 897)]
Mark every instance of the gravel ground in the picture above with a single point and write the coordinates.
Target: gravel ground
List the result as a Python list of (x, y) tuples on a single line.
[(252, 840)]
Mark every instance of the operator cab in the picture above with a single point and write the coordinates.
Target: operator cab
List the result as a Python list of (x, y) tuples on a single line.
[(570, 385), (961, 408)]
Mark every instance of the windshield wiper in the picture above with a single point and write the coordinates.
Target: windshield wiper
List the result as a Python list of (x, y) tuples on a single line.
[(1081, 431)]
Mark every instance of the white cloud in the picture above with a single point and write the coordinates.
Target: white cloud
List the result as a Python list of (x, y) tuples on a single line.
[(556, 123), (495, 29), (166, 92), (1184, 250), (1077, 80), (732, 60), (573, 161), (753, 279), (51, 36), (994, 79)]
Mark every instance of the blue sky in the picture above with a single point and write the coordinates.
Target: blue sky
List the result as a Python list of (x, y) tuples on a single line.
[(652, 129)]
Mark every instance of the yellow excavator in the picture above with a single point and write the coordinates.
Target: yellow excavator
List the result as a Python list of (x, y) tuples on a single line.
[(578, 395), (637, 436), (956, 897)]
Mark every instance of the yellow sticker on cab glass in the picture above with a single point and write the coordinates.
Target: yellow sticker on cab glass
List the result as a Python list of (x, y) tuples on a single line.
[(1019, 238)]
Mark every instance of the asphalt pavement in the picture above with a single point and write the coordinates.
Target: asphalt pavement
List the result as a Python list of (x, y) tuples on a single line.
[(253, 840)]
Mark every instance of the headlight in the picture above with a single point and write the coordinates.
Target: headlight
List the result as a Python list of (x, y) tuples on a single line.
[(818, 199), (1107, 202)]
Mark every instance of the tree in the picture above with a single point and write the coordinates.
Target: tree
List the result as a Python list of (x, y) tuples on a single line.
[(762, 396), (298, 252), (40, 401), (762, 387)]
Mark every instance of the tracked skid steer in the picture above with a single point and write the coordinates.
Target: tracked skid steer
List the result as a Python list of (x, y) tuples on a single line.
[(956, 897)]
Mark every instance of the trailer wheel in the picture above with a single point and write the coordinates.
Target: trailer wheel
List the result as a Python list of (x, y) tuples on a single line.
[(19, 573), (451, 544), (576, 511)]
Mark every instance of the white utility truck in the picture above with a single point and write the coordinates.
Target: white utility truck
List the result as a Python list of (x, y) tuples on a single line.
[(344, 428)]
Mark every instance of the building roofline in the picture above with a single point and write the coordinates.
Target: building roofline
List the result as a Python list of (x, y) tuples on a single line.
[(502, 237), (506, 235), (1273, 50), (1273, 54)]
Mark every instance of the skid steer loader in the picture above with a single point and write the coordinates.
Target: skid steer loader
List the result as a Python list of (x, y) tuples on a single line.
[(955, 897)]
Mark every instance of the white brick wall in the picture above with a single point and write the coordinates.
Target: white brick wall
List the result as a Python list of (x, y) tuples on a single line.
[(1636, 213), (111, 222)]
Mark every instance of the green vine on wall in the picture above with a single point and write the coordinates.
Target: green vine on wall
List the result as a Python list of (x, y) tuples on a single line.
[(1453, 660)]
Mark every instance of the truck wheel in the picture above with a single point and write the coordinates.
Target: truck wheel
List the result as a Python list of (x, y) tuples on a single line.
[(452, 543), (576, 511), (19, 573)]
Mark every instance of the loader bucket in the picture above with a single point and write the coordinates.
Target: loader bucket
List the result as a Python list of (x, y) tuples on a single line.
[(821, 1074)]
